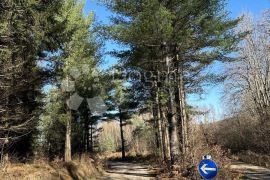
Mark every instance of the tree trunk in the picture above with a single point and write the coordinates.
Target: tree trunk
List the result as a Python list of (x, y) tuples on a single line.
[(173, 133), (180, 120), (182, 117), (172, 121), (155, 118), (87, 135), (185, 119), (157, 121), (91, 137), (122, 135), (180, 101), (164, 135), (68, 140)]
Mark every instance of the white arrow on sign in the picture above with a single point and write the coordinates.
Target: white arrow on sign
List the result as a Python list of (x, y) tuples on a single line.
[(205, 169)]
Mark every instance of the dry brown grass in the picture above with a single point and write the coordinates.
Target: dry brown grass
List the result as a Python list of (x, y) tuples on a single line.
[(79, 169), (201, 143), (253, 158)]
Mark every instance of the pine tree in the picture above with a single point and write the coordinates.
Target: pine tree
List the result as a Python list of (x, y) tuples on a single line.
[(28, 30), (52, 120), (78, 59), (119, 100), (180, 38)]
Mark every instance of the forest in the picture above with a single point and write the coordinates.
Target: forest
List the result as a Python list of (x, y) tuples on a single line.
[(72, 108)]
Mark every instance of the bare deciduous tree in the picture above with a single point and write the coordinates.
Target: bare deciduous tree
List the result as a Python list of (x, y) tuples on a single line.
[(249, 78)]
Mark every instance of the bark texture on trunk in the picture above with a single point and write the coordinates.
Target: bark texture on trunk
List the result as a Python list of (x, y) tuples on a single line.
[(157, 120), (68, 140), (182, 116), (172, 120), (164, 135), (86, 136), (91, 138), (122, 135), (180, 101), (173, 133)]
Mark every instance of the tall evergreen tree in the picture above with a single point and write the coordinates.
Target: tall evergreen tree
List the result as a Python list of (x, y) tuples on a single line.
[(119, 98), (29, 29), (180, 38), (78, 61), (52, 120)]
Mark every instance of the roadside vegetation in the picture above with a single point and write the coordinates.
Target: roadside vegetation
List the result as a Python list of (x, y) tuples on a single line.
[(64, 116)]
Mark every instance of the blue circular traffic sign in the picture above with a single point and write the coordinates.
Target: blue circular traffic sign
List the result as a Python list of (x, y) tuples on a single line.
[(208, 169)]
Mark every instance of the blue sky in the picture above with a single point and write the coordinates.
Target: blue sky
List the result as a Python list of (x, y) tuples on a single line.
[(212, 99)]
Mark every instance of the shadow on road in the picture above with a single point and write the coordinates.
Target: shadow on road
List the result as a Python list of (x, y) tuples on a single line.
[(128, 170)]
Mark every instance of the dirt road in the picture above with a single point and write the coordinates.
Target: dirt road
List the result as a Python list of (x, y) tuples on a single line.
[(128, 170), (250, 171), (139, 171)]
